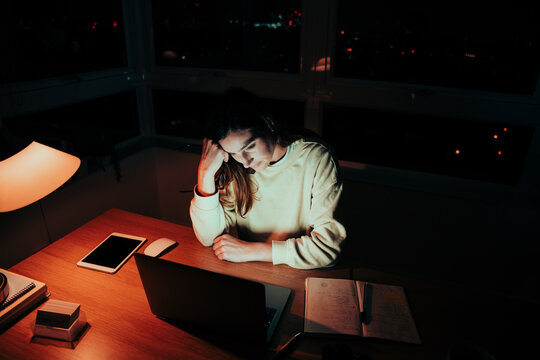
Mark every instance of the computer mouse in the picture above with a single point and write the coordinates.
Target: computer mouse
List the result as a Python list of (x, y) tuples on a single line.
[(159, 246)]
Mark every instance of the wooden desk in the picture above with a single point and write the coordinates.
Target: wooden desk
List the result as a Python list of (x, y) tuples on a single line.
[(122, 326)]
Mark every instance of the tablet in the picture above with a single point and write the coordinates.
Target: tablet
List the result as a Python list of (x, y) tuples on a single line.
[(112, 252)]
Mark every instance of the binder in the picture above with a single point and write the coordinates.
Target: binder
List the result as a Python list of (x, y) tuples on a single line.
[(24, 293)]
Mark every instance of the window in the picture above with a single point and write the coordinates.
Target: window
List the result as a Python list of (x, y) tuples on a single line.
[(247, 35), (41, 39), (494, 48), (461, 148), (88, 129), (184, 114)]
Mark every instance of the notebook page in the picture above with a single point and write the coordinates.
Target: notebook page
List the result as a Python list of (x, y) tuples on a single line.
[(331, 307), (388, 315)]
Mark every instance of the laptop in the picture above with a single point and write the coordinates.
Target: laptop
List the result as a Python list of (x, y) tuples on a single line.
[(211, 301)]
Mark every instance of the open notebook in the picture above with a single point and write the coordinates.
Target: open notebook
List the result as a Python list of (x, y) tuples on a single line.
[(24, 293), (357, 308)]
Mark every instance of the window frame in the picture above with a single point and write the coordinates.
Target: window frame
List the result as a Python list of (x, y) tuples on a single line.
[(317, 41)]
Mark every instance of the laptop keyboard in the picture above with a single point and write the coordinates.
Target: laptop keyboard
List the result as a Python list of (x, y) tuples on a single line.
[(270, 313)]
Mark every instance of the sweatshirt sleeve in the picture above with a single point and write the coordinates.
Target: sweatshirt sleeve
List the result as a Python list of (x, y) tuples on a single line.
[(208, 218), (321, 247)]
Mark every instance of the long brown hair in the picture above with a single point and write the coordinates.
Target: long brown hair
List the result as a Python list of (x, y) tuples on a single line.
[(242, 111)]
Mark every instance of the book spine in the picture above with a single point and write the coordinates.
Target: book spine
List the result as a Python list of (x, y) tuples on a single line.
[(55, 319)]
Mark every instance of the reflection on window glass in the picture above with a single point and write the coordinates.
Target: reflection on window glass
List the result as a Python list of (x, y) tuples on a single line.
[(237, 34), (88, 129), (185, 114), (461, 148), (42, 39), (494, 48), (182, 114)]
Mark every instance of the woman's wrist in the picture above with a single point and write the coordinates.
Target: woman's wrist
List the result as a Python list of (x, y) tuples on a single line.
[(262, 252), (206, 185)]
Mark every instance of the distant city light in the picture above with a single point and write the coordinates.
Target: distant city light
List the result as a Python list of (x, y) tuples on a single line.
[(323, 64), (169, 54), (495, 136), (458, 151), (268, 25), (289, 20)]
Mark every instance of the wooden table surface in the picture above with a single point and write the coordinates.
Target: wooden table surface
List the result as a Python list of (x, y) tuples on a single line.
[(122, 326)]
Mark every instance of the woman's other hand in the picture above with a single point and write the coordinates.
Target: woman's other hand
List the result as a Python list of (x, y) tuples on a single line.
[(230, 248)]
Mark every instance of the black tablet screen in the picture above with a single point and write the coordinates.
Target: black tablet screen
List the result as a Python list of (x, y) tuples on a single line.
[(112, 251)]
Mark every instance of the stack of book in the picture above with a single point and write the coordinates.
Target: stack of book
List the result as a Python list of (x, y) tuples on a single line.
[(59, 320), (22, 294)]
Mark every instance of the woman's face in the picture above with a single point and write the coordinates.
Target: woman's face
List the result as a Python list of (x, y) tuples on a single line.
[(252, 152)]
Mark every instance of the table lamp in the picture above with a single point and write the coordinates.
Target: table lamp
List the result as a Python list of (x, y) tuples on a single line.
[(32, 174)]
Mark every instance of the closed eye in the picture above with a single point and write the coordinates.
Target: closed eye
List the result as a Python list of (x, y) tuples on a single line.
[(250, 144)]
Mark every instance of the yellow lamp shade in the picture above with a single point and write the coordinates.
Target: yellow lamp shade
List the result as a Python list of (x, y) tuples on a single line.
[(32, 174)]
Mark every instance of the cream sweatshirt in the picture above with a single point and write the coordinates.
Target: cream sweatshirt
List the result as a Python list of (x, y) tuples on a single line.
[(294, 207)]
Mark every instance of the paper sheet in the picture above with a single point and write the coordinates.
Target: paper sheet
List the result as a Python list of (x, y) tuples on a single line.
[(331, 307), (388, 315)]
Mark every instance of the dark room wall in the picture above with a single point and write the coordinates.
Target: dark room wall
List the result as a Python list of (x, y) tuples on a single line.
[(486, 244)]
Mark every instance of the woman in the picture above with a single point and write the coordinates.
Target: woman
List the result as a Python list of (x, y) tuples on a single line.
[(263, 195)]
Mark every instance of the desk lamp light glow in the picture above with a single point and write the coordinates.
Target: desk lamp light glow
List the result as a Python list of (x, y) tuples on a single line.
[(32, 174)]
